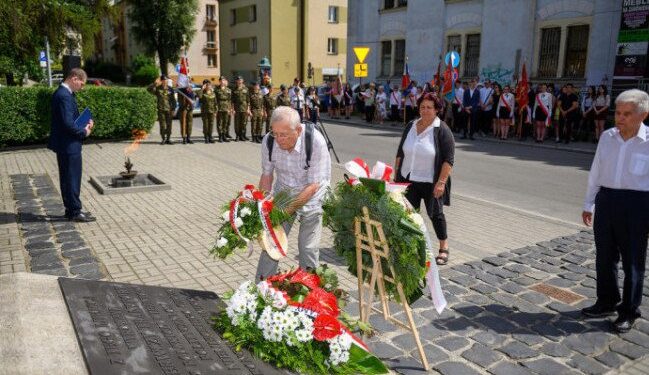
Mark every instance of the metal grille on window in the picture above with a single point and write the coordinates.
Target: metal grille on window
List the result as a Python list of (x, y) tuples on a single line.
[(576, 51), (472, 55), (454, 43), (386, 57), (549, 52), (399, 56)]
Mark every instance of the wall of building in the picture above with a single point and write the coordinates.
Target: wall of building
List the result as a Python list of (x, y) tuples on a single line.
[(317, 30), (244, 64), (285, 40), (506, 26)]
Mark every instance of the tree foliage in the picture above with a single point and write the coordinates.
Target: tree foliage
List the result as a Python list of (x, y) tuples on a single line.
[(163, 27), (26, 23)]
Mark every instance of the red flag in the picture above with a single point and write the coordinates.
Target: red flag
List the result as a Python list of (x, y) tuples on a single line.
[(448, 80), (522, 88), (438, 77), (183, 72), (405, 80)]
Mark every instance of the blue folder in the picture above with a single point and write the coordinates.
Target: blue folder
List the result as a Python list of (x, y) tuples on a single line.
[(83, 119)]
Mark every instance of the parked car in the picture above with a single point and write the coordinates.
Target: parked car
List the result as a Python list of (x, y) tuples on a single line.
[(98, 82), (197, 105)]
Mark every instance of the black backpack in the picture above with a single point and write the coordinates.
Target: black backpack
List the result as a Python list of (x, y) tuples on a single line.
[(308, 141)]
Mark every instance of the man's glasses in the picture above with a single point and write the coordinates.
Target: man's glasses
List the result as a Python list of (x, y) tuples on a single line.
[(282, 135)]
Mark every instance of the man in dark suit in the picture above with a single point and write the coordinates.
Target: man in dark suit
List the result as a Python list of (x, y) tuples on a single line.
[(65, 140), (471, 105)]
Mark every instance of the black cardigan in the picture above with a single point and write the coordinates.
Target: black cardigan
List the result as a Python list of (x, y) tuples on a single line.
[(444, 152)]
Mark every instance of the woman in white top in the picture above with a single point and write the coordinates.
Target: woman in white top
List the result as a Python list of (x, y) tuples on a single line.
[(601, 104), (542, 112), (588, 110), (505, 111), (425, 159), (381, 100)]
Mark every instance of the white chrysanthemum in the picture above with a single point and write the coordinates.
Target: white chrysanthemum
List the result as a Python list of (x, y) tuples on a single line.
[(245, 212), (221, 242), (226, 216), (238, 222), (339, 349)]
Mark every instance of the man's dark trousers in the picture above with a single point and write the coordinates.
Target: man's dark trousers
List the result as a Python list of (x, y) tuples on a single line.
[(566, 124), (621, 226), (70, 181)]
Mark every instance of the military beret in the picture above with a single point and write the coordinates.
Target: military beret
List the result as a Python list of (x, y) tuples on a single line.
[(282, 87), (221, 78), (236, 78), (206, 81)]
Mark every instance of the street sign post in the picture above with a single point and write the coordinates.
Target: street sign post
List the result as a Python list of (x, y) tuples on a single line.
[(361, 53), (360, 69)]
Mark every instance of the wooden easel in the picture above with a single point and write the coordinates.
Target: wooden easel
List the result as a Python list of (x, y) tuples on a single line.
[(366, 240)]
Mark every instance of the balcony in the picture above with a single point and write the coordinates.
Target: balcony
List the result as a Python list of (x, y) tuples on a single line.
[(210, 47), (210, 22)]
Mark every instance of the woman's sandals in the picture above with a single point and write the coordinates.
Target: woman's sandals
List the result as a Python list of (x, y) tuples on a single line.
[(442, 258)]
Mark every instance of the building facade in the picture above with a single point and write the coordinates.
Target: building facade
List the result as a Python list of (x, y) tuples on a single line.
[(558, 40), (291, 34), (117, 45)]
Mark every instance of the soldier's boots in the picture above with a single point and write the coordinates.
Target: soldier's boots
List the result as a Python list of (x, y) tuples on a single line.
[(189, 141), (163, 141), (210, 139), (206, 139)]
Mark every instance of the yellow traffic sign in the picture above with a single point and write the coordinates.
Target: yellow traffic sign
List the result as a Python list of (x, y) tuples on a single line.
[(360, 70), (361, 53)]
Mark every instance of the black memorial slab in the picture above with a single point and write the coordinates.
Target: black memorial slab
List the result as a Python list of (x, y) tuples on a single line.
[(139, 329)]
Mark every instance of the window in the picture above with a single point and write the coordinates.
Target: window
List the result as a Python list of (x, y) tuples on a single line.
[(253, 45), (549, 52), (211, 39), (210, 12), (386, 58), (243, 45), (399, 56), (233, 17), (252, 13), (233, 47), (333, 14), (576, 51), (389, 4), (211, 60), (332, 46), (472, 55), (454, 43)]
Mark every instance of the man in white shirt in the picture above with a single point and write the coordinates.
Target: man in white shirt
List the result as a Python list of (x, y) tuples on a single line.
[(486, 106), (298, 101), (618, 186), (307, 183), (458, 109), (395, 103)]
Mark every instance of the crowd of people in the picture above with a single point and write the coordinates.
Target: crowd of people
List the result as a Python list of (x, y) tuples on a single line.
[(562, 115)]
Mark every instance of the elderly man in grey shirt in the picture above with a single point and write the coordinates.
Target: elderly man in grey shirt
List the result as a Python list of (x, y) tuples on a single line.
[(307, 183)]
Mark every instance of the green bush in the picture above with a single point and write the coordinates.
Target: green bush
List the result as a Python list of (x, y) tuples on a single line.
[(145, 75), (26, 112)]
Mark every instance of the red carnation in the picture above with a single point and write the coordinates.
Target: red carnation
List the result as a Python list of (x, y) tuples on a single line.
[(322, 302), (310, 280), (267, 206), (249, 187), (326, 327), (257, 195)]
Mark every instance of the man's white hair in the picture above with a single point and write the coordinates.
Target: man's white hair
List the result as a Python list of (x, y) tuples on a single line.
[(637, 97), (284, 113)]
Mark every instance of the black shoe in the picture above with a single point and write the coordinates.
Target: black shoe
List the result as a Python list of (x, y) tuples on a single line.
[(83, 218), (598, 311), (206, 141), (220, 139), (210, 139), (184, 140), (623, 324), (236, 139), (189, 141), (258, 139), (225, 139), (163, 142), (244, 138), (228, 136)]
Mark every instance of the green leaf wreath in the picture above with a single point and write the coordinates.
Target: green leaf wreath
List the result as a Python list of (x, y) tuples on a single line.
[(407, 244)]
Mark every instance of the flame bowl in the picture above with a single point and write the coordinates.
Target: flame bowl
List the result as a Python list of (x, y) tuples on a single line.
[(128, 175)]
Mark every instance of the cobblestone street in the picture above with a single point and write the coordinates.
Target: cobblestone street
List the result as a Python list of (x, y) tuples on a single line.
[(515, 282)]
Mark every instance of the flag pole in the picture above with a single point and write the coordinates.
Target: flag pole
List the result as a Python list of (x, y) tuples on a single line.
[(404, 100)]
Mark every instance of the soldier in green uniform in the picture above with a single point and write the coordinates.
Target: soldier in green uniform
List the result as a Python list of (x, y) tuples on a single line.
[(241, 109), (165, 107), (283, 98), (257, 112), (269, 105), (224, 108), (208, 110), (186, 97)]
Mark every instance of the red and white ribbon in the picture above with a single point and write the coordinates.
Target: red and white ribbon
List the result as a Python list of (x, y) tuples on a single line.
[(234, 210), (268, 227), (381, 171)]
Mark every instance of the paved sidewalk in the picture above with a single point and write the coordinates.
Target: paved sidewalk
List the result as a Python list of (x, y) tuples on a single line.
[(163, 238)]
